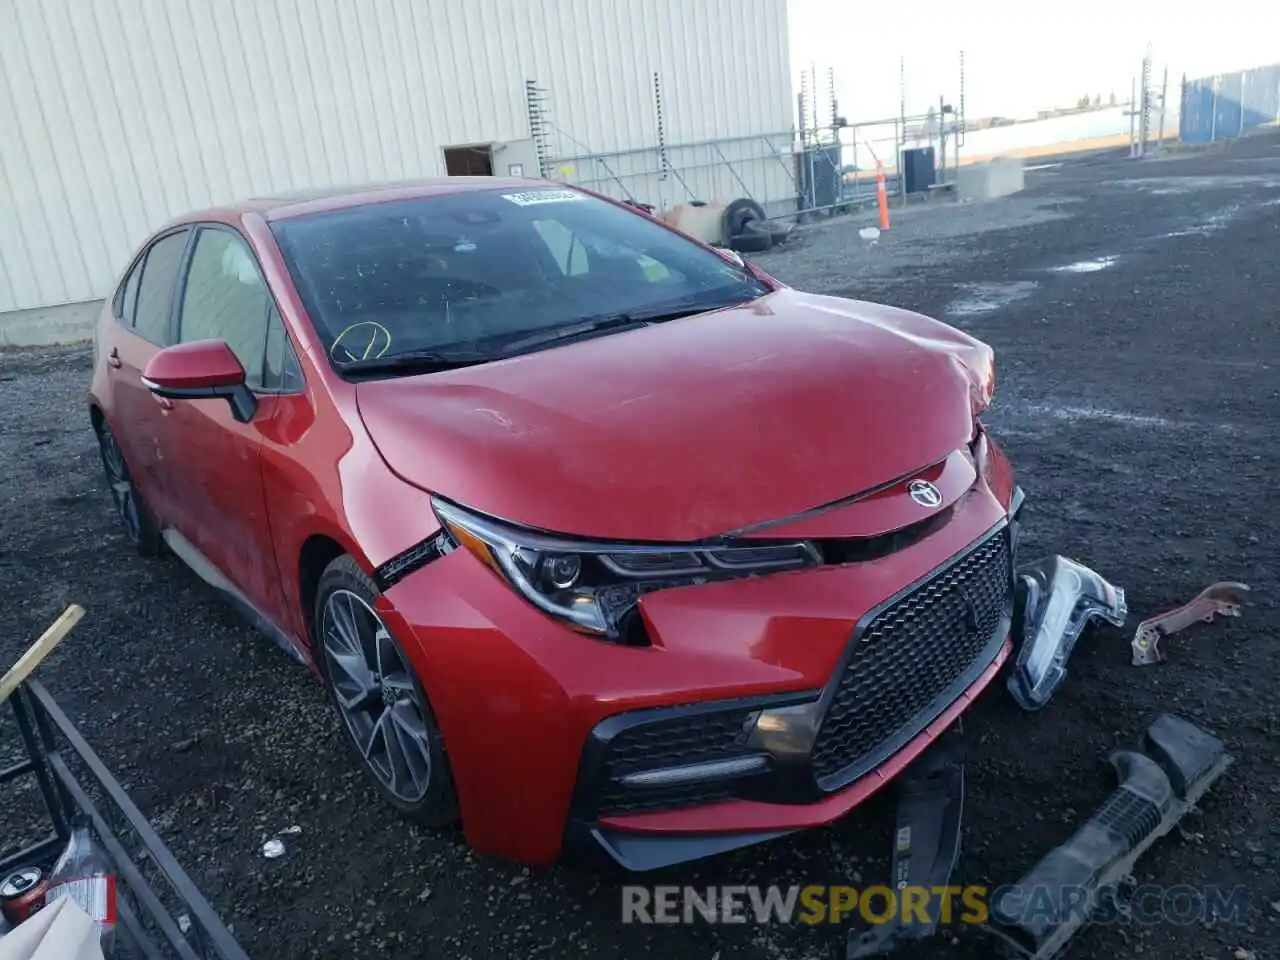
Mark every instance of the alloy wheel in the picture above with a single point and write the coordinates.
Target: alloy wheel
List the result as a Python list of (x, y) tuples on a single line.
[(377, 695), (120, 484)]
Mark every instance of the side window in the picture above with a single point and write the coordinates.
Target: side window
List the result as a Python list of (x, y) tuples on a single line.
[(126, 301), (282, 371), (155, 290), (226, 298)]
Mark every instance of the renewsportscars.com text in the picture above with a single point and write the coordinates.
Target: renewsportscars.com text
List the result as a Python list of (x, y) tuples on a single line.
[(819, 904)]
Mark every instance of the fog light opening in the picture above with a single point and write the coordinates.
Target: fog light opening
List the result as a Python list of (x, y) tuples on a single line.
[(786, 733)]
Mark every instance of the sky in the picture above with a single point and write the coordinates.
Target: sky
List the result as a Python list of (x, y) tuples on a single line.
[(1020, 57)]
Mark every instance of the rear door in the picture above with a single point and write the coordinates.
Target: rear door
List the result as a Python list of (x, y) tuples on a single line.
[(213, 462), (145, 315)]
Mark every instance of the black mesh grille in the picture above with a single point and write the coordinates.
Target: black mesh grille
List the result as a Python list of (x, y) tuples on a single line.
[(671, 743), (911, 655), (616, 799)]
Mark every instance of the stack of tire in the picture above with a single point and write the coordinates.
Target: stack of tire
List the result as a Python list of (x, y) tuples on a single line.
[(748, 230)]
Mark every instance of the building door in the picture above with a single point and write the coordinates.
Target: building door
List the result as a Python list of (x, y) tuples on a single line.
[(475, 160)]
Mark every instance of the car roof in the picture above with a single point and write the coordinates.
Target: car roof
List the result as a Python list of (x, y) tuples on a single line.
[(285, 205)]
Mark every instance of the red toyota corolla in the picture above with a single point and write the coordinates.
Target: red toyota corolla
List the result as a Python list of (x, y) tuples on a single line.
[(603, 539)]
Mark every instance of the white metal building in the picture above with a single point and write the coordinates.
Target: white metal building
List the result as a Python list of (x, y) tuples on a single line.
[(116, 115)]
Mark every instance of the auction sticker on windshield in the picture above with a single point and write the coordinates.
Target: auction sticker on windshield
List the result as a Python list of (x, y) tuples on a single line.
[(541, 196)]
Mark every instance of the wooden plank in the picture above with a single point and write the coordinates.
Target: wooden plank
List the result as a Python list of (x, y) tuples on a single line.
[(36, 653)]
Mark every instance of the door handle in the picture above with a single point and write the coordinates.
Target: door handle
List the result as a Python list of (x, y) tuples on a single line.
[(165, 402), (113, 359)]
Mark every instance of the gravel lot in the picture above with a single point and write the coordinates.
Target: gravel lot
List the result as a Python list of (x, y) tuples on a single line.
[(1139, 392)]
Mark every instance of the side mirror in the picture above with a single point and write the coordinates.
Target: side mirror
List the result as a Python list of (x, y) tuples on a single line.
[(201, 370)]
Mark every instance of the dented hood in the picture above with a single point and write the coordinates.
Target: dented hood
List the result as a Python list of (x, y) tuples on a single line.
[(691, 428)]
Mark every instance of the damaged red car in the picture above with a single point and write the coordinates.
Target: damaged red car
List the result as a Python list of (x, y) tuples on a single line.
[(605, 541)]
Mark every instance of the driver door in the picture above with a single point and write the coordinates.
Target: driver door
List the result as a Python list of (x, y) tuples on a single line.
[(214, 465)]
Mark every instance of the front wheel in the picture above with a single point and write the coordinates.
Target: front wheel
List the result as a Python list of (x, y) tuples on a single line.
[(379, 698)]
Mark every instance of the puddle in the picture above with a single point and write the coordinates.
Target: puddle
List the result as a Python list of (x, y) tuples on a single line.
[(1098, 414), (1087, 266), (983, 298), (1175, 185), (1214, 224)]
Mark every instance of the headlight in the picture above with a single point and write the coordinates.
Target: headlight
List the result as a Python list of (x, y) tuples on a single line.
[(1056, 598), (594, 587)]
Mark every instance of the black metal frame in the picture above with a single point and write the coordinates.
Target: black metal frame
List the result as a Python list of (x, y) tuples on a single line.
[(144, 923)]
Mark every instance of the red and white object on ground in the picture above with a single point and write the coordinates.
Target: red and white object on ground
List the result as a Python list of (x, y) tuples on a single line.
[(83, 874), (62, 932)]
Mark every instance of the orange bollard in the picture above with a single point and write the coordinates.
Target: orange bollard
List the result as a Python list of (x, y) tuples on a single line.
[(882, 196)]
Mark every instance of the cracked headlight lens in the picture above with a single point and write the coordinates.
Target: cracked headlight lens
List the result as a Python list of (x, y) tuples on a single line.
[(595, 587)]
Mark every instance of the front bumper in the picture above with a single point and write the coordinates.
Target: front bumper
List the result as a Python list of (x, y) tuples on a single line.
[(664, 786)]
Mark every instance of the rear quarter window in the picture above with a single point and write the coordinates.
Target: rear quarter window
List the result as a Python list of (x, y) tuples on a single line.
[(126, 299), (155, 289)]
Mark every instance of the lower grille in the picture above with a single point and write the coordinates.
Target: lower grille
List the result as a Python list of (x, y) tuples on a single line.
[(672, 742), (907, 661), (616, 799)]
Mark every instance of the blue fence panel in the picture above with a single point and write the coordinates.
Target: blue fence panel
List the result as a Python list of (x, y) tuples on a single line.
[(1261, 96), (1229, 112), (1196, 121), (1226, 106)]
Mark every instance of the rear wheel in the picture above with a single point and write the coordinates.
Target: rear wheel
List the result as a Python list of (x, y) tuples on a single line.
[(140, 525), (379, 698)]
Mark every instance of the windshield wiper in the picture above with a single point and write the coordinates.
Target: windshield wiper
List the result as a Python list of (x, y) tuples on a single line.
[(416, 361), (583, 328), (609, 322)]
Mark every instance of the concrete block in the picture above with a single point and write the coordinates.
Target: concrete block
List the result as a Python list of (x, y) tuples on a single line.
[(986, 181), (46, 326)]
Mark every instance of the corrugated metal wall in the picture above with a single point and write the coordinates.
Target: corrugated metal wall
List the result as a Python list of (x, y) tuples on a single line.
[(117, 114), (1228, 105)]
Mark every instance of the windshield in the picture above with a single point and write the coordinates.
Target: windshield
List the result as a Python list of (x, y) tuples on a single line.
[(478, 275)]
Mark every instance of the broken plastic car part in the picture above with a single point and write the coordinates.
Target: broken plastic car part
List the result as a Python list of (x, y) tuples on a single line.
[(926, 845), (1056, 598), (1158, 787), (1220, 599)]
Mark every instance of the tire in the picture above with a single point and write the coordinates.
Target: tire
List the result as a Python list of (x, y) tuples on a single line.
[(734, 219), (395, 702), (140, 525)]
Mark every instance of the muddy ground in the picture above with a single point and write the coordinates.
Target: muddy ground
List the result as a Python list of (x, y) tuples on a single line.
[(1135, 311)]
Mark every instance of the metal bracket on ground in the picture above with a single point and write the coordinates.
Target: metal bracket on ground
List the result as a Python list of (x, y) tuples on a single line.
[(1219, 599)]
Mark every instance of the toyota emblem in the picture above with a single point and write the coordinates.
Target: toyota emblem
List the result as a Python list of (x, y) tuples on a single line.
[(925, 493)]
